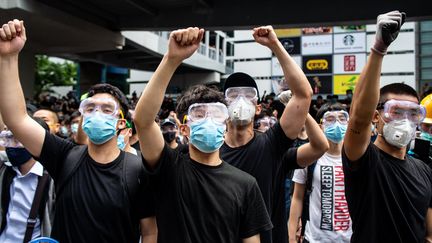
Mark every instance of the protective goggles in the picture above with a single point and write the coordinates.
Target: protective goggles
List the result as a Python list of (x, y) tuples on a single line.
[(331, 117), (267, 121), (233, 93), (7, 140), (399, 110), (218, 112), (105, 106)]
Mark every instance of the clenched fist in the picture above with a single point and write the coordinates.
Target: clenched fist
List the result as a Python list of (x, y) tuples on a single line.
[(12, 38)]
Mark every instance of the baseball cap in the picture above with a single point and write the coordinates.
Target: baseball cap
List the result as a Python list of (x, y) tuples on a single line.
[(168, 121), (240, 79)]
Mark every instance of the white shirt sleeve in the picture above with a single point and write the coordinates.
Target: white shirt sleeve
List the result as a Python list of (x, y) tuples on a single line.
[(300, 176)]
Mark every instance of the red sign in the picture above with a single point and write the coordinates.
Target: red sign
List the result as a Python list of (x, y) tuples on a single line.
[(349, 63)]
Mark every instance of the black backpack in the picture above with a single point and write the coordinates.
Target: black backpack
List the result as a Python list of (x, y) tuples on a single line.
[(306, 199), (132, 170)]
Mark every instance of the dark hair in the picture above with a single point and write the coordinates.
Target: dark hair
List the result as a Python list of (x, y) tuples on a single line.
[(112, 90), (397, 89), (197, 94), (74, 115), (42, 123), (329, 107), (56, 116)]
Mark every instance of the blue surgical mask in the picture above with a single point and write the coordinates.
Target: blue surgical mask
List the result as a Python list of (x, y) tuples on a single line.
[(18, 156), (99, 128), (335, 132), (207, 136), (120, 142), (64, 131), (74, 128)]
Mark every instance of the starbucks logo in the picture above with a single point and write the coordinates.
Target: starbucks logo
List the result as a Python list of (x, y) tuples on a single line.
[(348, 40)]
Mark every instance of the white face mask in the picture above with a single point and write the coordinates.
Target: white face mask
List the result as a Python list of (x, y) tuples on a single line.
[(241, 111), (399, 133)]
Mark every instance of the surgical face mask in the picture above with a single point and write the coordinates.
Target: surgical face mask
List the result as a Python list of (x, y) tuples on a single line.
[(121, 142), (399, 132), (207, 136), (64, 131), (74, 128), (99, 128), (241, 111), (18, 156), (335, 132), (169, 136)]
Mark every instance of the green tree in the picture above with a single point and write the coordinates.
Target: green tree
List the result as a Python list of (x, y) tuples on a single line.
[(50, 74)]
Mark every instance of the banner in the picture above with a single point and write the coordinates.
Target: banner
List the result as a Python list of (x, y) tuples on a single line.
[(321, 84), (291, 45), (350, 42), (277, 69), (342, 83), (317, 64), (287, 32), (316, 31), (349, 28), (319, 44), (349, 63)]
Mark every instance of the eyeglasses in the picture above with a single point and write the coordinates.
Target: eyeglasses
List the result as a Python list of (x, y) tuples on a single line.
[(400, 109), (218, 112), (7, 140), (233, 93), (106, 106), (331, 117), (267, 121)]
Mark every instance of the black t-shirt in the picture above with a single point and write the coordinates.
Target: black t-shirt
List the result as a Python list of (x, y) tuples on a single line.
[(94, 205), (388, 198), (201, 203), (262, 158)]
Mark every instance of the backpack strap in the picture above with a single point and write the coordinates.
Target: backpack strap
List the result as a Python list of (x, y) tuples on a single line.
[(132, 173), (71, 163), (31, 221), (306, 200)]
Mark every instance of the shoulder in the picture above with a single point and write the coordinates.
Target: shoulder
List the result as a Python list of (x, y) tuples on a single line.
[(238, 175), (420, 165)]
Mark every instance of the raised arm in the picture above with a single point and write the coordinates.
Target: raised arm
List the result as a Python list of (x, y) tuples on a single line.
[(12, 102), (295, 112), (317, 146), (366, 94), (182, 44), (296, 210)]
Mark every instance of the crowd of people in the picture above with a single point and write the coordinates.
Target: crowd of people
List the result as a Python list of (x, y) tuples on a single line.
[(216, 165)]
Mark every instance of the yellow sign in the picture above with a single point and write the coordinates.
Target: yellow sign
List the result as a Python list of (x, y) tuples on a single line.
[(287, 32), (341, 83), (317, 64)]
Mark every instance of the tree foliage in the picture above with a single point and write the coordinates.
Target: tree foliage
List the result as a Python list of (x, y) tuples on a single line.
[(49, 73)]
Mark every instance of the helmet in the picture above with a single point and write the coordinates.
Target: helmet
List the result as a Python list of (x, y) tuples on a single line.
[(427, 103)]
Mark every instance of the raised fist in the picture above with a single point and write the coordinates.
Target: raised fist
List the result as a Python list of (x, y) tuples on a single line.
[(285, 96), (12, 38), (388, 27), (184, 42), (265, 35)]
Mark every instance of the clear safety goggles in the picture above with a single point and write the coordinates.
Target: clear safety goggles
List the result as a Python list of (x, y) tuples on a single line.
[(105, 106), (233, 93), (218, 112), (7, 140), (399, 110), (267, 121), (331, 117)]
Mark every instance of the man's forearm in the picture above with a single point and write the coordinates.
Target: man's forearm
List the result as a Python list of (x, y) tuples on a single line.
[(151, 99), (293, 74), (11, 91)]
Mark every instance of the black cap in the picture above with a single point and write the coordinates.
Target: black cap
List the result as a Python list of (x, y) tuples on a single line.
[(240, 80), (168, 121)]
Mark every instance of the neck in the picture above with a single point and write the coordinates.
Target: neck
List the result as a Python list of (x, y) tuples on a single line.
[(334, 148), (211, 159), (104, 153), (26, 167), (237, 136), (392, 150), (133, 139), (173, 144)]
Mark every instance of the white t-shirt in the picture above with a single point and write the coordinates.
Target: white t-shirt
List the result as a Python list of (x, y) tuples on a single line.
[(329, 219)]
